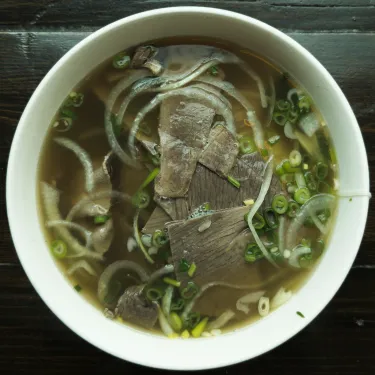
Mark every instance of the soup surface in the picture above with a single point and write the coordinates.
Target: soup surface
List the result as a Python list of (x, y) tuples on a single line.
[(187, 186)]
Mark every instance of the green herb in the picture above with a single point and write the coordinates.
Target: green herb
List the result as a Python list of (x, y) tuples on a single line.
[(302, 195), (178, 305), (63, 124), (172, 282), (247, 145), (280, 118), (74, 99), (59, 249), (159, 238), (279, 204), (300, 314), (154, 294), (189, 291), (271, 218), (141, 199), (65, 112), (192, 269), (214, 71), (121, 61), (184, 265), (234, 182), (192, 320), (283, 105), (264, 152), (101, 219), (253, 253), (258, 221), (350, 199), (78, 288), (151, 177)]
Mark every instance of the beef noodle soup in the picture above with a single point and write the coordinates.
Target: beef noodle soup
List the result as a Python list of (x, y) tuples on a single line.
[(187, 187)]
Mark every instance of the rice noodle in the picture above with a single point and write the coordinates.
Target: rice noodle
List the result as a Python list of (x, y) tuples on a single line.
[(316, 203), (167, 300), (138, 238), (79, 228), (281, 297), (93, 197), (272, 102), (243, 303), (51, 199), (83, 157), (114, 94), (167, 269), (262, 194), (84, 265), (189, 92), (221, 321), (112, 269), (164, 324)]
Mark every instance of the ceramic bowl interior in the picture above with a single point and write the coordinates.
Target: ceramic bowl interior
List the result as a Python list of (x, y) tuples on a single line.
[(141, 347)]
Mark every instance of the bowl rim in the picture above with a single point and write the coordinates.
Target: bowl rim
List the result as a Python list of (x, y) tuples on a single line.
[(220, 362)]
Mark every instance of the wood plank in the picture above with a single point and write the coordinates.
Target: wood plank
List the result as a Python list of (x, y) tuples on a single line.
[(34, 341), (29, 56), (283, 14)]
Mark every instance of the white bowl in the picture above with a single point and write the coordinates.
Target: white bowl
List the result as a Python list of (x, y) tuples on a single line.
[(121, 340)]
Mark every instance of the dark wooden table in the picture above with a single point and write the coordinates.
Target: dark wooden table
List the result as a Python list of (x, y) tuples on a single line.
[(35, 34)]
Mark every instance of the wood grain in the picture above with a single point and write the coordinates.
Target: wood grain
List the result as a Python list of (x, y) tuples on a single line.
[(34, 34), (284, 14)]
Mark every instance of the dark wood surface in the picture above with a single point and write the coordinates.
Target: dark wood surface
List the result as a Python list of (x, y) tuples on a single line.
[(35, 34)]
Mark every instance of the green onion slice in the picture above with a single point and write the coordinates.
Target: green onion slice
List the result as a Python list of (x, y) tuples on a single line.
[(283, 105), (253, 253), (271, 218), (280, 118), (293, 208), (321, 170), (184, 265), (302, 195), (59, 249), (141, 199), (178, 305), (234, 182), (101, 219), (279, 204), (121, 61), (172, 282), (189, 291), (154, 294), (159, 238), (295, 158)]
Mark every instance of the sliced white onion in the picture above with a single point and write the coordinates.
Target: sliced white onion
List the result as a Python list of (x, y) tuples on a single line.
[(131, 244), (93, 197), (309, 124), (316, 203), (167, 300), (164, 325), (264, 306), (112, 269), (115, 93), (84, 265), (243, 303), (79, 228), (83, 157), (288, 131), (51, 200), (292, 92), (282, 296), (221, 321), (153, 250), (189, 92), (167, 269), (262, 194), (272, 100), (297, 252)]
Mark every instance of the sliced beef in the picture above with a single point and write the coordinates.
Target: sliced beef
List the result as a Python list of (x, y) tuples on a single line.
[(134, 308), (207, 186), (213, 250), (157, 220), (176, 208), (184, 129), (221, 152)]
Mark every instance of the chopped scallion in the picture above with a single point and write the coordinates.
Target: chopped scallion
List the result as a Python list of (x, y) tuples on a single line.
[(300, 314), (280, 118), (192, 320), (184, 265), (295, 158), (121, 61), (149, 178), (247, 145), (199, 328), (189, 291), (271, 218), (273, 140), (293, 208), (101, 219), (234, 182), (283, 105), (253, 253), (302, 195), (175, 321), (77, 287), (214, 71), (258, 221), (177, 305), (141, 199), (321, 170), (279, 204), (172, 282), (192, 269), (59, 249), (159, 238), (154, 294)]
